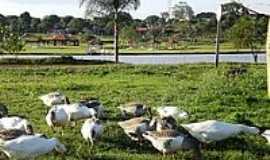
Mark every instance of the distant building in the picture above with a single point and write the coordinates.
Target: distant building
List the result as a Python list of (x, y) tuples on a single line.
[(63, 39), (52, 39), (141, 30)]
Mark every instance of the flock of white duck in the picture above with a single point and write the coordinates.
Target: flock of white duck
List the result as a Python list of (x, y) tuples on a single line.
[(19, 141)]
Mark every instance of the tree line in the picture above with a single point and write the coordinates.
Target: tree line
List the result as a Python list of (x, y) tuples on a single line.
[(238, 25), (202, 25), (25, 23)]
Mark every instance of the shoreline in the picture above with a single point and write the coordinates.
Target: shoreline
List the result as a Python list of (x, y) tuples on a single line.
[(132, 53)]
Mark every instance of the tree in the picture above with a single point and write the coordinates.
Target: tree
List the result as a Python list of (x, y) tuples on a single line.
[(25, 22), (261, 27), (12, 22), (2, 20), (182, 11), (101, 7), (152, 21), (125, 19), (206, 15), (100, 24), (75, 25), (49, 22), (66, 20), (138, 23), (35, 22), (205, 24), (154, 24), (130, 35), (185, 30), (231, 14), (10, 41), (165, 17), (243, 34)]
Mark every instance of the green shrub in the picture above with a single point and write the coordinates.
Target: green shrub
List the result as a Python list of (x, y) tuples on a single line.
[(10, 41)]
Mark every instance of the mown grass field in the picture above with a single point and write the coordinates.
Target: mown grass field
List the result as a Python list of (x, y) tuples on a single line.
[(203, 91), (82, 49)]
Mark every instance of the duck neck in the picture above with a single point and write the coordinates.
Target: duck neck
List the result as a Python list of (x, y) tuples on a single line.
[(53, 116), (67, 100), (249, 129), (59, 147), (263, 129), (149, 112)]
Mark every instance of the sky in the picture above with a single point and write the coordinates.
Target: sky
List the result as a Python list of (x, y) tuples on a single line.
[(40, 8)]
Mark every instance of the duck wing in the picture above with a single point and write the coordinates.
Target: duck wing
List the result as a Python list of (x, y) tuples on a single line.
[(164, 134), (212, 130), (132, 122)]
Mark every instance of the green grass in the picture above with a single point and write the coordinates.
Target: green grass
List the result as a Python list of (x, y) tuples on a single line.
[(188, 47), (71, 50), (63, 60), (65, 50), (203, 91)]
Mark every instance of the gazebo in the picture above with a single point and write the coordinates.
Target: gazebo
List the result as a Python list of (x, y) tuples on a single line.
[(261, 7), (62, 39)]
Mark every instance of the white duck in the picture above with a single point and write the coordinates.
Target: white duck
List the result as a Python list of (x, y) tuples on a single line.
[(54, 98), (15, 122), (91, 130), (13, 134), (62, 115), (135, 127), (95, 104), (159, 124), (212, 130), (134, 109), (30, 147), (170, 141), (266, 135), (57, 117), (170, 111)]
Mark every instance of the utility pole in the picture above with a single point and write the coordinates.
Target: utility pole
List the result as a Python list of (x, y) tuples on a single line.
[(217, 43), (219, 15)]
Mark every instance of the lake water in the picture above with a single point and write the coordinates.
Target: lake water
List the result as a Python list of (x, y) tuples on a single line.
[(165, 59), (181, 59)]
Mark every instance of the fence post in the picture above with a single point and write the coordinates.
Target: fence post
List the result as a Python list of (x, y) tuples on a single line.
[(219, 16)]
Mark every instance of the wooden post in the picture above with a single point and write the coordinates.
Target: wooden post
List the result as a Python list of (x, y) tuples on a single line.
[(217, 43), (268, 57), (116, 37), (219, 15)]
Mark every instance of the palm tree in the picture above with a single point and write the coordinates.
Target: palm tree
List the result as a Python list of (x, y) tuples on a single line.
[(106, 7)]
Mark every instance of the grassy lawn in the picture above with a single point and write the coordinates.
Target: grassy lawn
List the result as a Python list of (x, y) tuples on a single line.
[(70, 50), (65, 50), (203, 91)]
